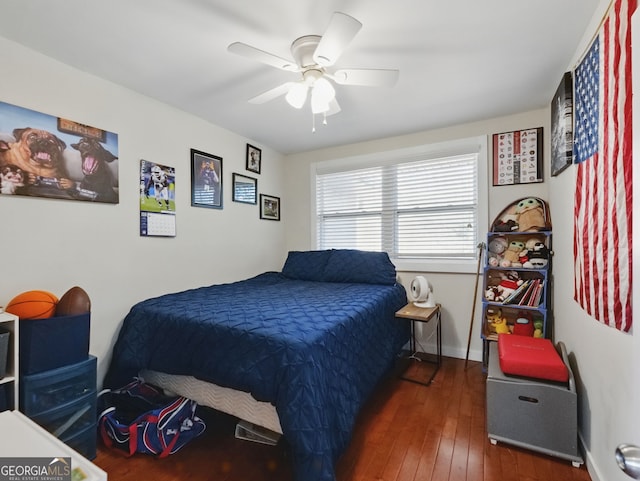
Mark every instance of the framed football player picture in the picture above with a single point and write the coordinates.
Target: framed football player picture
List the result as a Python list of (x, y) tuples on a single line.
[(206, 180), (269, 207), (254, 159)]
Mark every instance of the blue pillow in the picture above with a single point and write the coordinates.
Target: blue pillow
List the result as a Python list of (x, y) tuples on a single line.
[(307, 265), (348, 265)]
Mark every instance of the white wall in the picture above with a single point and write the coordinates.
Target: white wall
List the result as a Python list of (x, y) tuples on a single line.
[(453, 291), (56, 244), (604, 359)]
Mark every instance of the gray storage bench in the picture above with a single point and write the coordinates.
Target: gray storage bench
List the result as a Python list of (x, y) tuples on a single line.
[(533, 413)]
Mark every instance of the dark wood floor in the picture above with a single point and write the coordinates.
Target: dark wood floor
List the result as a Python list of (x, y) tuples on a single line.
[(406, 432)]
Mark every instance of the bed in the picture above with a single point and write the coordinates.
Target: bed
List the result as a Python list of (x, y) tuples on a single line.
[(306, 345)]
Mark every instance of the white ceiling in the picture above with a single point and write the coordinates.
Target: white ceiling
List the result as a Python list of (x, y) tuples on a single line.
[(459, 60)]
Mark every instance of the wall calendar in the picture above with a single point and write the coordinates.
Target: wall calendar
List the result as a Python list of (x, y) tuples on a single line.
[(157, 200)]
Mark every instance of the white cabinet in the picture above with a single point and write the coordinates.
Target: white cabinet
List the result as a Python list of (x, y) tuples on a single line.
[(28, 440), (9, 383)]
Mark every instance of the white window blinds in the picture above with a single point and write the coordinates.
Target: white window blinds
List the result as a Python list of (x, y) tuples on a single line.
[(417, 209)]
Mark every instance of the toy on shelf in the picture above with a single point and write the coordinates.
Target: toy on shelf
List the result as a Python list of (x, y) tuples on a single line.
[(537, 325), (512, 254), (497, 321), (537, 254), (509, 283), (529, 214), (523, 326), (496, 249)]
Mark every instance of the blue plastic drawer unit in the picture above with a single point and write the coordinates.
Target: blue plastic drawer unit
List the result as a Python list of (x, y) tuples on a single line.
[(67, 420), (63, 401), (49, 389), (84, 442)]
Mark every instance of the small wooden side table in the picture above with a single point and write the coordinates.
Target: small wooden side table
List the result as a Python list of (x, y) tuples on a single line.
[(423, 314)]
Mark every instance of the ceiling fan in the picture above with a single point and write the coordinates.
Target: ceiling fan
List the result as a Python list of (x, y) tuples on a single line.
[(314, 57)]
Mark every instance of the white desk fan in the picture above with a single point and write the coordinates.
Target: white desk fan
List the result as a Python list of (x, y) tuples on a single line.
[(421, 292)]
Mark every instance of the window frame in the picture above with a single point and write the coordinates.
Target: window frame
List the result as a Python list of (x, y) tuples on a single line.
[(472, 145)]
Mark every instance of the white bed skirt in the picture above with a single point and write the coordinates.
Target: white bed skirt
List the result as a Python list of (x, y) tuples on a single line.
[(236, 403)]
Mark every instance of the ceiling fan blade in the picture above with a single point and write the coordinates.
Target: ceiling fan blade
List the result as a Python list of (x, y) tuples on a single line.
[(366, 77), (271, 94), (341, 30), (253, 53)]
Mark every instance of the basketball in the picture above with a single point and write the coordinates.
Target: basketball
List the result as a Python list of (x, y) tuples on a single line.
[(73, 302), (33, 305)]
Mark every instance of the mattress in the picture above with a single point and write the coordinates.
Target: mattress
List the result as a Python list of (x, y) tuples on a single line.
[(236, 403)]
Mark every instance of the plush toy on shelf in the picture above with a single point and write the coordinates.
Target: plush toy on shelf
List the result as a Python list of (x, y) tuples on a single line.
[(498, 321), (495, 253), (530, 215), (511, 256), (523, 326), (537, 256), (509, 283), (507, 223), (537, 328), (493, 293)]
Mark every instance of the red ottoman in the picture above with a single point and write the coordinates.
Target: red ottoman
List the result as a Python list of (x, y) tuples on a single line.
[(531, 357)]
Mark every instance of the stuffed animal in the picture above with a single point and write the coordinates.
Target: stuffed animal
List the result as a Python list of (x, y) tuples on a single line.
[(511, 256), (524, 254), (493, 293), (538, 256), (523, 327), (530, 215), (509, 283), (508, 223), (497, 246), (537, 328), (498, 321)]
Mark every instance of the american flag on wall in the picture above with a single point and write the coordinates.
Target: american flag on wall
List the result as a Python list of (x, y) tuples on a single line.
[(602, 147)]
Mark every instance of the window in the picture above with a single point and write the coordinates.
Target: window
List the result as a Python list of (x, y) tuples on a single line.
[(422, 206)]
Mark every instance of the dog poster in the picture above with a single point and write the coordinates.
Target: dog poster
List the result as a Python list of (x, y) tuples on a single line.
[(46, 156)]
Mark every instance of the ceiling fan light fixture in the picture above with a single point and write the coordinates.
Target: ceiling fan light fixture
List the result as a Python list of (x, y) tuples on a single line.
[(318, 107), (323, 90), (297, 95)]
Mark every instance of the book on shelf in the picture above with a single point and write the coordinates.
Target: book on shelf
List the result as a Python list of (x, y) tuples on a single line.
[(516, 294), (536, 296), (530, 292)]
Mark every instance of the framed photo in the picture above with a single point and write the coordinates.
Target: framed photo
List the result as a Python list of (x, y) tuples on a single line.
[(562, 126), (245, 189), (254, 158), (517, 157), (206, 180), (269, 207)]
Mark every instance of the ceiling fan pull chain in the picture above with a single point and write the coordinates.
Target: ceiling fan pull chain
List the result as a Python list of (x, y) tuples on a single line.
[(324, 121), (313, 123)]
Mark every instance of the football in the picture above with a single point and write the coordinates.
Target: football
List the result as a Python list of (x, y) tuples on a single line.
[(33, 305), (73, 302)]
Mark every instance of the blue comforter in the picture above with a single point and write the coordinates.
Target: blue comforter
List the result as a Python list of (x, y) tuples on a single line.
[(313, 349)]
